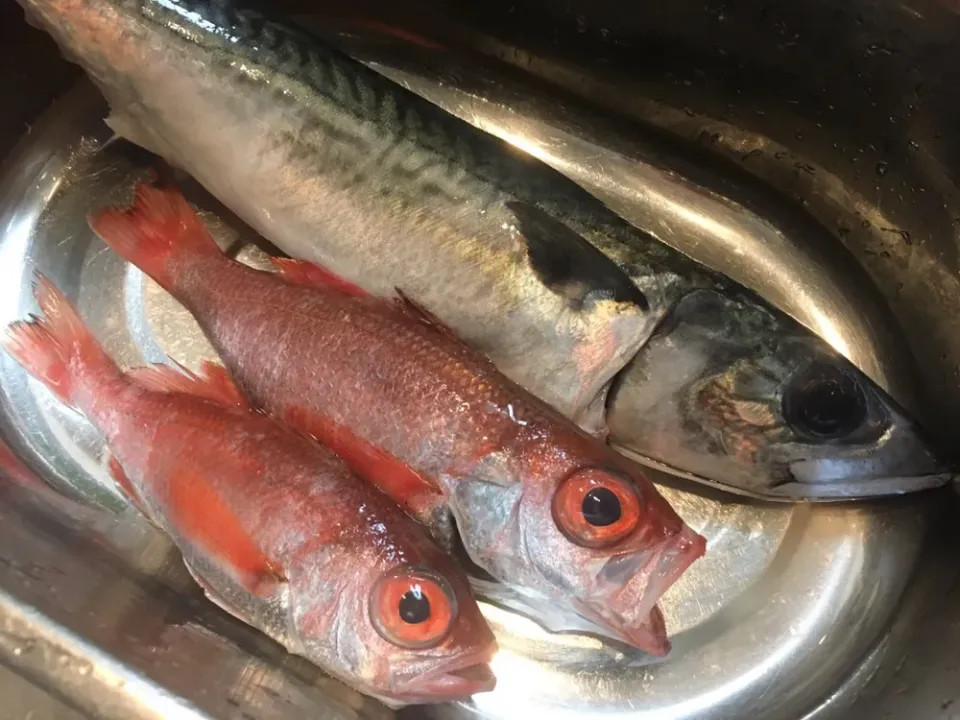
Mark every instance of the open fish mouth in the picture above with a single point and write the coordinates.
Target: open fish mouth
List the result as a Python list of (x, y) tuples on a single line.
[(631, 611)]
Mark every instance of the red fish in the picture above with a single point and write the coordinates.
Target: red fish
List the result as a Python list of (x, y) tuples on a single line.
[(538, 503), (275, 527)]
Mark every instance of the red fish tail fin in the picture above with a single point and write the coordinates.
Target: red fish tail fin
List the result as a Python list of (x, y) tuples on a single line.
[(157, 229), (58, 349)]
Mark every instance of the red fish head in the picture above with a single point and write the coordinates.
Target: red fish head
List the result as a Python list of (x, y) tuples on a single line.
[(405, 633), (600, 539)]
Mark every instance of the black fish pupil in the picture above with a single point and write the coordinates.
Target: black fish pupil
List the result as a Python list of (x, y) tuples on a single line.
[(825, 402), (414, 607), (601, 507)]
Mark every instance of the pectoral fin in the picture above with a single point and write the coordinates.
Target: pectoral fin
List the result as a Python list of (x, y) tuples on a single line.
[(413, 492), (202, 516)]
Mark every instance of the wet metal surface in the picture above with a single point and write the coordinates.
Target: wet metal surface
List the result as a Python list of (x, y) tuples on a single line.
[(774, 601), (25, 701), (792, 615)]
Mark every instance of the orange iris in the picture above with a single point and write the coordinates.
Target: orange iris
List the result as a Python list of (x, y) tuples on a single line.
[(596, 508), (413, 608)]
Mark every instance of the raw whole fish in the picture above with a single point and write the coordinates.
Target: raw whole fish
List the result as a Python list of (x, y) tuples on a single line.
[(274, 527), (333, 163), (538, 503)]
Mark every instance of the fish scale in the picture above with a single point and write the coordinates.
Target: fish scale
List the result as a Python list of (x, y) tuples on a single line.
[(273, 526), (428, 419), (334, 163), (332, 150)]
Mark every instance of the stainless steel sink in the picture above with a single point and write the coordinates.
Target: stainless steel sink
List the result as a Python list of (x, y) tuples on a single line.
[(798, 611)]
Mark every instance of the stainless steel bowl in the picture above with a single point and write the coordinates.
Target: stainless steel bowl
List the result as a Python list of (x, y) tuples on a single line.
[(791, 615)]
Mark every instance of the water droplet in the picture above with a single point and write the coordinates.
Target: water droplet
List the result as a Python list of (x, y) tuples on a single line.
[(798, 135), (882, 168), (879, 49)]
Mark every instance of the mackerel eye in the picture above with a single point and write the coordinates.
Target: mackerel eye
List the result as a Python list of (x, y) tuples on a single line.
[(596, 508), (824, 403), (413, 608)]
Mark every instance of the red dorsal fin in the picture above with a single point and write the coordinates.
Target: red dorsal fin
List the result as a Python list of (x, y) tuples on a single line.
[(417, 311), (212, 383), (199, 512), (302, 272), (416, 494)]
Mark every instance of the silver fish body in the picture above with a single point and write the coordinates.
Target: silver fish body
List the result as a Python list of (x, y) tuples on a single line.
[(334, 163)]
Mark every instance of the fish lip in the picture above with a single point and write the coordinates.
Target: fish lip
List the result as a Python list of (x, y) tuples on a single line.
[(675, 559), (671, 560), (650, 635), (464, 676)]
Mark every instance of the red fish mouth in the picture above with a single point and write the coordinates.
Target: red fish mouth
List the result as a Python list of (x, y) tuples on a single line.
[(461, 678), (680, 554), (633, 615)]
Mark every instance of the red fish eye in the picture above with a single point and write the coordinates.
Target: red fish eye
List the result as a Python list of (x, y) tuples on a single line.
[(596, 508), (413, 608)]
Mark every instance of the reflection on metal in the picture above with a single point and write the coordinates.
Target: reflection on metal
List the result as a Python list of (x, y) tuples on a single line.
[(730, 225), (782, 613)]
